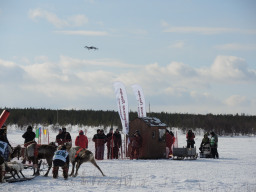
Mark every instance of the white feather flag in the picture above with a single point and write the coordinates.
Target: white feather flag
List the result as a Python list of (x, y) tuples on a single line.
[(140, 99), (122, 104)]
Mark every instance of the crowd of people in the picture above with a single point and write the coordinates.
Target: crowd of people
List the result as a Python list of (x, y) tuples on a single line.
[(112, 140), (212, 141)]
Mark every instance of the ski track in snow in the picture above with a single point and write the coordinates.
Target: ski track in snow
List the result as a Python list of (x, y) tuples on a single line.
[(234, 171)]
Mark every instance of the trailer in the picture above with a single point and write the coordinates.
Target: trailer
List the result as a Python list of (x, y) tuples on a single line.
[(182, 153)]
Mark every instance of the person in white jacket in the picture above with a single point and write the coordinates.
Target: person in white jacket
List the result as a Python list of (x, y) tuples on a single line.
[(61, 159)]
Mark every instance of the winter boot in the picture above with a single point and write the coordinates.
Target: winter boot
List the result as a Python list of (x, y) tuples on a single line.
[(2, 173), (55, 171), (65, 172)]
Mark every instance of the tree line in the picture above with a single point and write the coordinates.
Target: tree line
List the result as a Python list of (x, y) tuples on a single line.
[(222, 124)]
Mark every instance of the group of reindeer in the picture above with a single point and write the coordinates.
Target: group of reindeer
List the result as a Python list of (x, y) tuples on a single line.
[(77, 156)]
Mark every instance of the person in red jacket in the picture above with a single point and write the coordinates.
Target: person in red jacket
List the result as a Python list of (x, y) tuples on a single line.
[(168, 143), (81, 140), (136, 142)]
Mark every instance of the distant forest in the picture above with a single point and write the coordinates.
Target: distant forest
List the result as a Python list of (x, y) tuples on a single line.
[(222, 124)]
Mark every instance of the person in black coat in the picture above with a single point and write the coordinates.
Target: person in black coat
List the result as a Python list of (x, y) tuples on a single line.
[(66, 137), (95, 139), (117, 144), (59, 138), (29, 136)]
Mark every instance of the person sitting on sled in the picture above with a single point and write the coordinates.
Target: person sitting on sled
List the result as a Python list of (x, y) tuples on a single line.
[(205, 141), (60, 159)]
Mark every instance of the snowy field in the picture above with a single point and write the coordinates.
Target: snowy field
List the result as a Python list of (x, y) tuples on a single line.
[(234, 171)]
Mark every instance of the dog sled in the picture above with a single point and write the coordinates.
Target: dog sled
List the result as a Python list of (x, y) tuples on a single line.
[(184, 153)]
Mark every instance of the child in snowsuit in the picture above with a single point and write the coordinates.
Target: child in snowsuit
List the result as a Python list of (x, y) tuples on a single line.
[(60, 159)]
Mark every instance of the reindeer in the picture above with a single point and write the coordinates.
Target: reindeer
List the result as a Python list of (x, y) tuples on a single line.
[(15, 152), (43, 152), (78, 156)]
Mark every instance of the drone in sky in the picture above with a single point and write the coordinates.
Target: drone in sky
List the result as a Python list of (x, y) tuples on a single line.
[(91, 47)]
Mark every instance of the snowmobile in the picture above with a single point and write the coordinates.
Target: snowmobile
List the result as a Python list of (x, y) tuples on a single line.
[(205, 151)]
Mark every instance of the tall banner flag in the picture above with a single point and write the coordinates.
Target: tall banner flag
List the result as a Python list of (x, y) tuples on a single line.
[(137, 90), (122, 104), (3, 117)]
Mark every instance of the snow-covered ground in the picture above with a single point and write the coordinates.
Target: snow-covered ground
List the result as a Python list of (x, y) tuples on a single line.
[(234, 171)]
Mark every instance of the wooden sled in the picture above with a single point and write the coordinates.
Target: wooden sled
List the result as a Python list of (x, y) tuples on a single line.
[(13, 172)]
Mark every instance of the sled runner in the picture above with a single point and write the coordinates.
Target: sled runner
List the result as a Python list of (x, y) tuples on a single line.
[(14, 172), (11, 180), (182, 153)]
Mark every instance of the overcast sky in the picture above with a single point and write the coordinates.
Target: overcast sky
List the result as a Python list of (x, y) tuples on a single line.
[(189, 56)]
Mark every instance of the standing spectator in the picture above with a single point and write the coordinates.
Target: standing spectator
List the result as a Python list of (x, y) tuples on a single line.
[(136, 143), (81, 140), (169, 140), (101, 144), (110, 144), (214, 145), (190, 139), (174, 139), (59, 138), (5, 146), (66, 137), (95, 139), (29, 136), (117, 143), (60, 159)]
